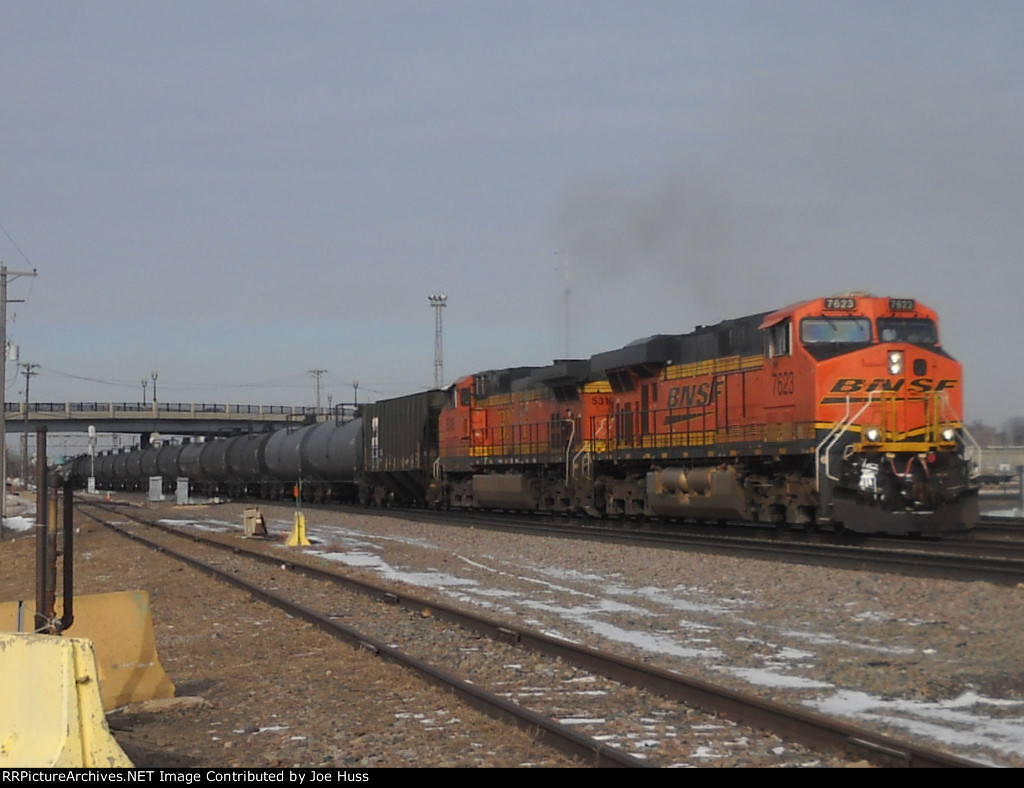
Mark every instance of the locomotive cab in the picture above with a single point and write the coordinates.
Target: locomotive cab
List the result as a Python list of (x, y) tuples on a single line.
[(890, 450)]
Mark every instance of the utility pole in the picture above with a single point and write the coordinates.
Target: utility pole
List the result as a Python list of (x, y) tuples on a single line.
[(5, 275), (438, 302), (28, 370), (317, 374)]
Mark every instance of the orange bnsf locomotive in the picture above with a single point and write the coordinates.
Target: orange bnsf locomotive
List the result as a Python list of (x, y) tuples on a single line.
[(841, 411)]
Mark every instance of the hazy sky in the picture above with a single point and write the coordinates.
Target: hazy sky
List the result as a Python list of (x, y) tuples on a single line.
[(234, 194)]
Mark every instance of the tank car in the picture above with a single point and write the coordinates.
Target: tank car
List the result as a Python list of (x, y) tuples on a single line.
[(167, 463), (322, 458), (333, 457), (190, 463), (282, 456), (213, 463), (246, 466), (842, 411)]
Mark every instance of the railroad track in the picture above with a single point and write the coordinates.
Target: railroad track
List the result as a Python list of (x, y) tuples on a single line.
[(390, 632), (996, 560)]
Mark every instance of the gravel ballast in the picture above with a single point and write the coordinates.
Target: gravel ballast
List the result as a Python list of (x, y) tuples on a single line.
[(934, 660)]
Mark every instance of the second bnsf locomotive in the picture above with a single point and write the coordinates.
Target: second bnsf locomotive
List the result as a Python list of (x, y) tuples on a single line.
[(842, 411)]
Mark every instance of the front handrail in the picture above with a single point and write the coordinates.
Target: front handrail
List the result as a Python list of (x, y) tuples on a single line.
[(839, 429)]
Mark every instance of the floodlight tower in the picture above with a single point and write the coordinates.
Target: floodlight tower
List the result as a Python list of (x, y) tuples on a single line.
[(438, 302)]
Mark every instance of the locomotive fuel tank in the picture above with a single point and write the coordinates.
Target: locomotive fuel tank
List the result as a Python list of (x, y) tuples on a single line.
[(702, 493)]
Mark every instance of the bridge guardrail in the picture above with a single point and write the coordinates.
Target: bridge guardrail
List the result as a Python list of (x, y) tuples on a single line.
[(69, 410)]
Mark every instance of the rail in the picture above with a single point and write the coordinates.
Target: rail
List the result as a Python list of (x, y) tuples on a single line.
[(811, 728)]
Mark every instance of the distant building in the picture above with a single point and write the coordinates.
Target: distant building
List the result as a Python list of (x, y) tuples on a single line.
[(1001, 460)]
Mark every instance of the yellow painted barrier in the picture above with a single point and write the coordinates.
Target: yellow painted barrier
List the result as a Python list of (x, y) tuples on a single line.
[(298, 535), (120, 625), (51, 714)]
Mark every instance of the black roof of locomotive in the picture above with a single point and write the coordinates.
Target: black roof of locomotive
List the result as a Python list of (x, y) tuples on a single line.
[(740, 336)]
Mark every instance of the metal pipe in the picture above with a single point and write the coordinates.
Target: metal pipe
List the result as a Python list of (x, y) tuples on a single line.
[(69, 564), (46, 532), (42, 618)]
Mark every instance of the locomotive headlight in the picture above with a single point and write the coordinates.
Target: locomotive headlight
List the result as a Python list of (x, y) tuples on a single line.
[(873, 434), (948, 434), (895, 362)]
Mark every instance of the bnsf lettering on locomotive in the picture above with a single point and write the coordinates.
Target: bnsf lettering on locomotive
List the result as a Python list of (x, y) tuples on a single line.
[(902, 305), (841, 303), (697, 395), (926, 384), (917, 385), (884, 384), (847, 386)]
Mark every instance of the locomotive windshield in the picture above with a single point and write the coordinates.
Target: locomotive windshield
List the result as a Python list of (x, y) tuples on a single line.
[(835, 331), (916, 331)]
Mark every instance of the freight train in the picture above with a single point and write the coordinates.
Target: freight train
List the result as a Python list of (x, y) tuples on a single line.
[(843, 411)]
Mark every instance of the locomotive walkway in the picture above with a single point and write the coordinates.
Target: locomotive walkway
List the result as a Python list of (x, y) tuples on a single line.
[(180, 418)]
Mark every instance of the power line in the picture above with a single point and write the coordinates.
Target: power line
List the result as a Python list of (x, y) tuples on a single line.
[(14, 243)]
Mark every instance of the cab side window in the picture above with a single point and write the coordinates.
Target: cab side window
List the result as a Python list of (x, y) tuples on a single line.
[(779, 339)]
